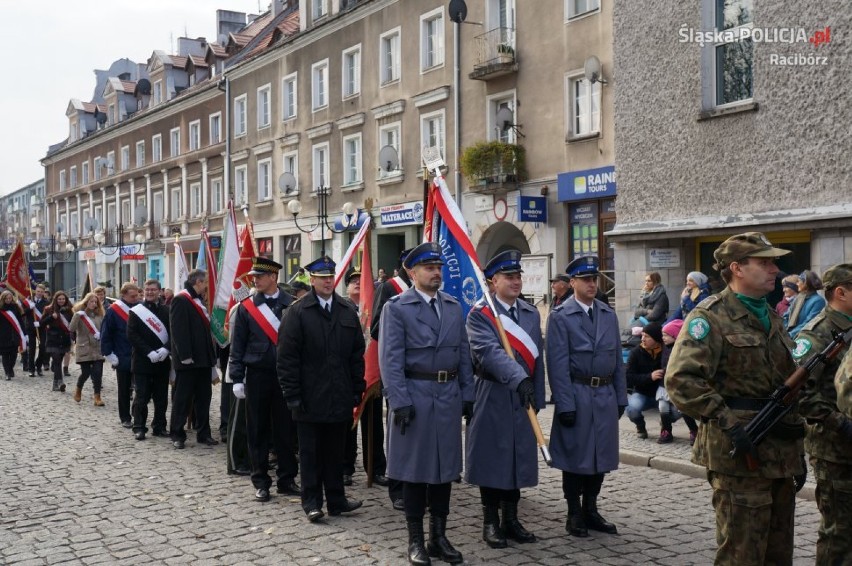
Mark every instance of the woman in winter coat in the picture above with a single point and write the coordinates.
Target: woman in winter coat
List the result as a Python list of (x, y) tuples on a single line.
[(86, 325), (642, 376), (11, 339), (806, 305), (56, 323), (653, 301), (696, 290), (790, 288)]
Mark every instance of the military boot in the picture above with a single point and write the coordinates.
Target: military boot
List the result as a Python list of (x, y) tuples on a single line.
[(511, 527), (576, 523), (491, 533), (416, 551), (438, 546), (593, 519)]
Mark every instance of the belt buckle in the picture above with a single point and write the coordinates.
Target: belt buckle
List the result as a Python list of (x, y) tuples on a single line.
[(442, 376), (595, 381)]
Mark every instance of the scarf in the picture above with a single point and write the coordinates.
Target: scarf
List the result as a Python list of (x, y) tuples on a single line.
[(757, 307)]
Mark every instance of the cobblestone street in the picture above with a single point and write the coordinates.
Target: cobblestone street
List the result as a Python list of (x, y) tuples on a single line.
[(78, 489)]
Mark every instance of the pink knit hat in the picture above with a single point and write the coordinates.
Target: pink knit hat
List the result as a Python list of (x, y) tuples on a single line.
[(673, 328)]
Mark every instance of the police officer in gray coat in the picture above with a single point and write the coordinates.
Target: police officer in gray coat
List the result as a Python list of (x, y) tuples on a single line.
[(501, 455), (586, 377), (426, 370)]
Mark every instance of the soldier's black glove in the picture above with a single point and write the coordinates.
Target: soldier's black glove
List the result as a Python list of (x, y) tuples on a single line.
[(526, 389), (620, 411), (467, 411), (568, 419), (803, 477), (356, 399), (294, 404), (845, 430), (742, 443), (402, 417)]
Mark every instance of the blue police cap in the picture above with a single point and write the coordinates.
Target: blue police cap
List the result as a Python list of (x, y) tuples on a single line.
[(427, 253), (403, 255), (322, 267), (504, 262), (586, 266)]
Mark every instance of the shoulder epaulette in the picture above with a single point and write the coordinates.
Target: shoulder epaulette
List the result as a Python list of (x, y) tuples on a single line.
[(557, 309), (812, 323), (708, 302), (394, 298)]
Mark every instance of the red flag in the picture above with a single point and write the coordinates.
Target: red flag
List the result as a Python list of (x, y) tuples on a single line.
[(371, 355), (241, 285), (17, 273), (210, 265)]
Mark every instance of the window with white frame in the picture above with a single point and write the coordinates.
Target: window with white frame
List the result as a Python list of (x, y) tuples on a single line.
[(195, 135), (241, 185), (110, 163), (99, 167), (319, 9), (217, 198), (195, 199), (73, 179), (390, 134), (500, 15), (389, 56), (175, 203), (215, 122), (498, 131), (156, 148), (73, 232), (728, 64), (319, 84), (352, 159), (85, 172), (110, 219), (62, 182), (125, 158), (432, 39), (111, 117), (72, 130), (289, 97), (158, 92), (574, 8), (264, 95), (352, 71), (290, 164), (240, 115), (320, 166), (125, 212), (159, 211), (174, 142), (584, 109), (264, 180), (140, 154), (432, 131), (99, 216)]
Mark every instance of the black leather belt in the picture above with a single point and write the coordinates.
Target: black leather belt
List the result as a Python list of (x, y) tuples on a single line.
[(442, 376), (593, 381), (745, 403)]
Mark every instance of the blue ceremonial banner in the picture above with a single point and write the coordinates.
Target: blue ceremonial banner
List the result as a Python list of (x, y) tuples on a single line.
[(460, 279)]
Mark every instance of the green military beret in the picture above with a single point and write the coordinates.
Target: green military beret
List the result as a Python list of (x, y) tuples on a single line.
[(836, 275), (741, 246)]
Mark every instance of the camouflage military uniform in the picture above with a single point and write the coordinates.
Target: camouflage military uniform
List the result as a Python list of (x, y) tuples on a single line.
[(722, 361), (831, 453)]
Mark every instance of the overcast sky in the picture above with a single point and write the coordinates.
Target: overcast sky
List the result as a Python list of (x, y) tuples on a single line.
[(52, 48)]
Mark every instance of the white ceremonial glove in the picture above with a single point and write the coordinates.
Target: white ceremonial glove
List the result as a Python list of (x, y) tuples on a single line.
[(172, 376), (239, 390), (153, 356), (187, 361), (214, 376), (112, 360), (96, 335), (36, 324), (162, 354)]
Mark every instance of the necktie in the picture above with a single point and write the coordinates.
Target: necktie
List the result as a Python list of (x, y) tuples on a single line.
[(328, 307), (434, 308), (591, 311), (513, 314)]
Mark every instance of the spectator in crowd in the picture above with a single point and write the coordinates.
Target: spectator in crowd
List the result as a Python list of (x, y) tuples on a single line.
[(790, 288), (86, 326), (808, 303), (653, 300), (381, 277), (697, 289), (669, 413), (643, 376), (300, 289), (168, 295)]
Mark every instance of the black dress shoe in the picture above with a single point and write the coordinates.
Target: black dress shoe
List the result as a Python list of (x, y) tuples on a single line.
[(399, 504), (179, 444), (140, 435), (350, 505), (261, 495), (159, 433), (32, 374), (380, 479), (315, 515), (289, 487), (127, 424), (209, 441), (347, 479), (595, 522)]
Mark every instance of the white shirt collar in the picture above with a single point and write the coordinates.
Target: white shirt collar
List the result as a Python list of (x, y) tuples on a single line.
[(506, 305), (427, 299), (275, 296), (324, 302)]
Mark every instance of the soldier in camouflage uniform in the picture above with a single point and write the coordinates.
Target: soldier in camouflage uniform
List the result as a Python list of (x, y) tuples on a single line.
[(829, 432), (731, 356)]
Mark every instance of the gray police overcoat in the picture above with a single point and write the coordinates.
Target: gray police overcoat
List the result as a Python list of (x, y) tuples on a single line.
[(411, 338), (576, 345), (500, 451)]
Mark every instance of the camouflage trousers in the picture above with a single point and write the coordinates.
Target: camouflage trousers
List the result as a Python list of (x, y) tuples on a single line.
[(834, 499), (754, 519)]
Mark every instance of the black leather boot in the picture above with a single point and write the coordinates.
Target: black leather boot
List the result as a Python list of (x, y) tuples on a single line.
[(491, 533), (416, 551), (575, 524), (510, 526), (593, 519), (438, 545)]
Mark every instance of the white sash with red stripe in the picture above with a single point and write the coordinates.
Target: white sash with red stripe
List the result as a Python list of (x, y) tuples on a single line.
[(88, 322), (153, 323), (399, 284), (13, 320), (64, 322), (265, 318), (199, 306), (520, 341), (36, 313), (121, 309)]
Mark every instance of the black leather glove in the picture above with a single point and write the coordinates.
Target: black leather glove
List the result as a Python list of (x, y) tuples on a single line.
[(741, 441), (845, 430), (803, 477), (467, 411), (402, 417), (568, 419), (621, 411), (356, 399), (526, 389), (294, 404)]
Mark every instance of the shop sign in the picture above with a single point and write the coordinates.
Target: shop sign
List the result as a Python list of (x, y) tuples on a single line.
[(532, 209), (586, 184), (403, 214)]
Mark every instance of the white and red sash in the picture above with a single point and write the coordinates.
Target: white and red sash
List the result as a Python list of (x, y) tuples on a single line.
[(88, 322), (64, 323), (151, 321), (13, 320), (121, 309), (265, 318), (399, 284), (199, 306), (520, 341), (36, 313)]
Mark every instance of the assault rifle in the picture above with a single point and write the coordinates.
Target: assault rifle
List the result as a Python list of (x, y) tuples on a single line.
[(782, 400)]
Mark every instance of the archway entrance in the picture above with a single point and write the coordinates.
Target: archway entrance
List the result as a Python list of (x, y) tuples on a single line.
[(499, 237)]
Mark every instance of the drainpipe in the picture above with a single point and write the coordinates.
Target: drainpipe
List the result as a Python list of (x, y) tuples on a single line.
[(457, 110), (227, 120)]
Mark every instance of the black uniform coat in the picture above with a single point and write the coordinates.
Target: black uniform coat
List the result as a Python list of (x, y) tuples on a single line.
[(57, 339), (143, 341), (321, 359), (250, 346), (190, 336)]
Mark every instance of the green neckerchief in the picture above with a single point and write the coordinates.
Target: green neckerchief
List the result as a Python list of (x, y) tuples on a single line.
[(757, 307)]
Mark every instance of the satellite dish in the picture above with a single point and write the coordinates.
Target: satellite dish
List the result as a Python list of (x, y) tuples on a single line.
[(505, 118), (60, 227), (91, 224), (457, 11), (388, 159), (140, 215), (287, 183), (143, 86), (592, 69)]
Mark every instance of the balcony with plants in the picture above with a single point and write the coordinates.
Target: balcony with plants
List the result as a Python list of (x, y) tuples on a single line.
[(495, 54), (493, 167)]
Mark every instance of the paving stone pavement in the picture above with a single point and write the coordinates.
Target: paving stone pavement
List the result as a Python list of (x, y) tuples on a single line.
[(79, 489)]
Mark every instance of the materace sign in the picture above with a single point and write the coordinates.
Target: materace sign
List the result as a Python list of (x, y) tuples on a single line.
[(403, 214)]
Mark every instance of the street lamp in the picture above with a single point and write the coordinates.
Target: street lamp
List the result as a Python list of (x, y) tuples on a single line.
[(119, 248), (54, 256), (295, 207)]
